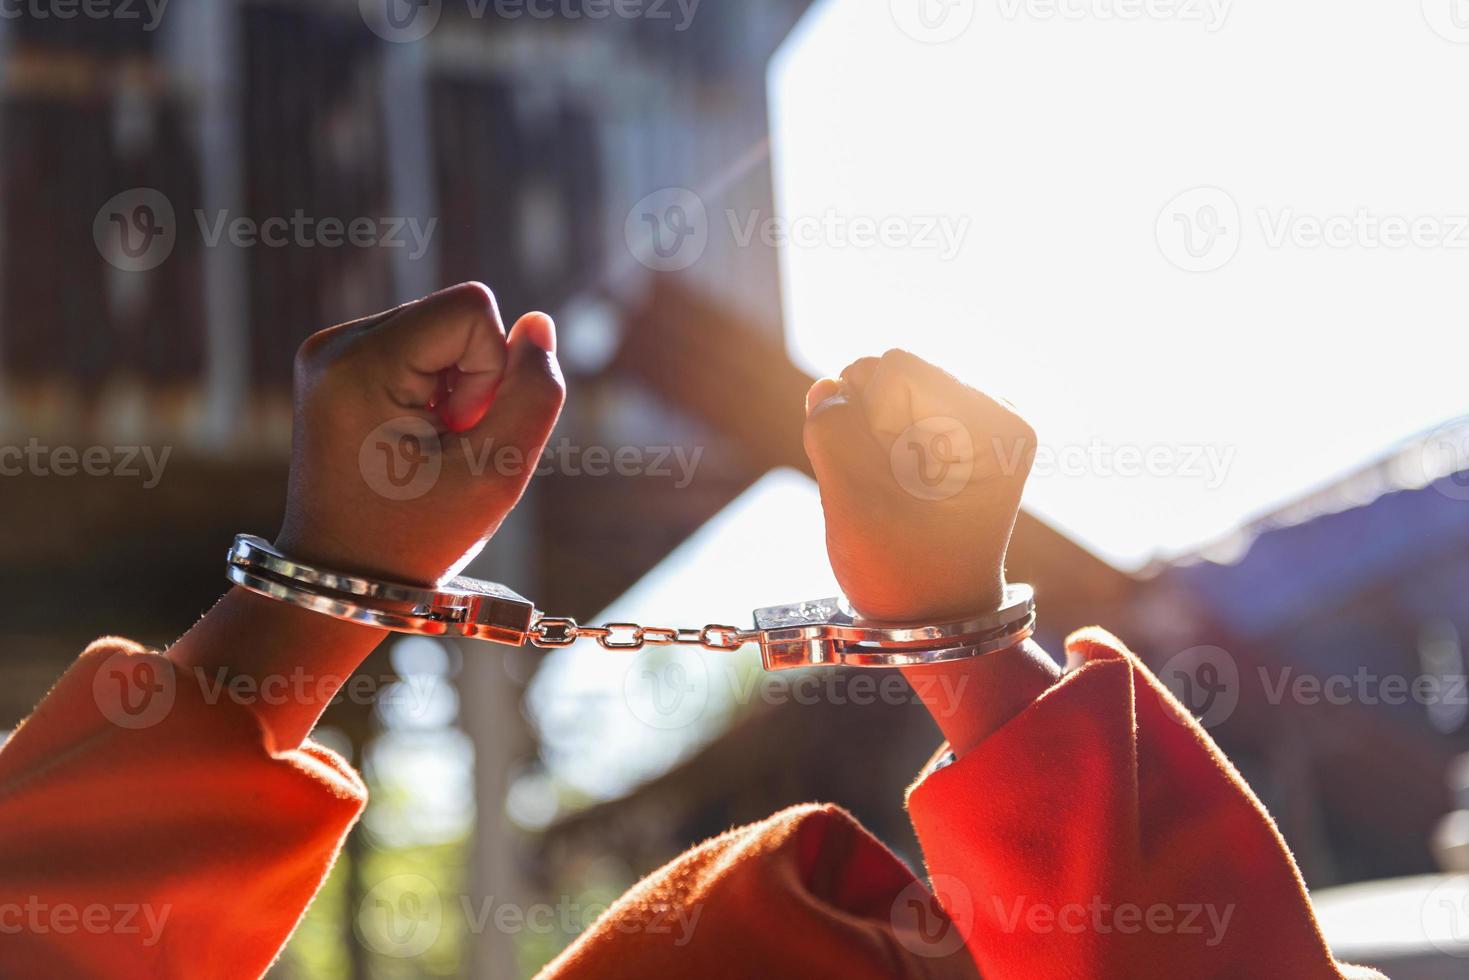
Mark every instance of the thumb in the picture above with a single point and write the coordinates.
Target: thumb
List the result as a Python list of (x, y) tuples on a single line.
[(531, 392), (839, 442)]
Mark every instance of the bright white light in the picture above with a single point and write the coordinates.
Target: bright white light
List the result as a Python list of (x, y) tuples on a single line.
[(422, 787), (1081, 163), (609, 721)]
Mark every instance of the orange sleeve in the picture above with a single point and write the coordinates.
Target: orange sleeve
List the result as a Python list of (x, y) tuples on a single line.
[(1102, 834), (804, 894), (147, 832)]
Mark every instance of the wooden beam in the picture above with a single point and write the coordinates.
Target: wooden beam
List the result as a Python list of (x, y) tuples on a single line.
[(739, 378)]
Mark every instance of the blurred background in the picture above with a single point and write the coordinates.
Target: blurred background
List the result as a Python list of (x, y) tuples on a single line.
[(1216, 255)]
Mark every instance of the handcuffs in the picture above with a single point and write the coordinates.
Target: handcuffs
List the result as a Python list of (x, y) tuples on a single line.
[(822, 632)]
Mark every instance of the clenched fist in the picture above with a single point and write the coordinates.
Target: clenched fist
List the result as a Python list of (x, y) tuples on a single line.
[(416, 432), (921, 478)]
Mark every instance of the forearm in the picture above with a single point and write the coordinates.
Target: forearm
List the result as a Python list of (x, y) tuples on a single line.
[(972, 699), (265, 646)]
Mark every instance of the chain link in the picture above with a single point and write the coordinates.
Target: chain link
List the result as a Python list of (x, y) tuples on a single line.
[(552, 632)]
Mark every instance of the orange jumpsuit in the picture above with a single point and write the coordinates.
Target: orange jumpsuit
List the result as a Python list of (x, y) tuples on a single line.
[(1099, 834)]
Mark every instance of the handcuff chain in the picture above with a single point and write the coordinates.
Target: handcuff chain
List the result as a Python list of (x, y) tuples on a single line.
[(817, 633), (553, 631)]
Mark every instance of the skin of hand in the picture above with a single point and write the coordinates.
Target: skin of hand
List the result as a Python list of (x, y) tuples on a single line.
[(921, 478), (390, 477), (431, 390)]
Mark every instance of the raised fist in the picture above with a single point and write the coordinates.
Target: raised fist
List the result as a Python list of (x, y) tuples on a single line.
[(416, 432), (921, 478)]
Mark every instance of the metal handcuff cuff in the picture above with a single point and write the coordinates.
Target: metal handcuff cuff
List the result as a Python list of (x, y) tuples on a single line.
[(823, 632)]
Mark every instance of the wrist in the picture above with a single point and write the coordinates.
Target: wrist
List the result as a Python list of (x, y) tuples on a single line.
[(269, 645), (935, 602), (314, 544), (970, 700)]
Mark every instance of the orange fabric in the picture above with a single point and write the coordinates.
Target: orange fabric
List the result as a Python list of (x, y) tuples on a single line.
[(182, 847), (1101, 833), (807, 893), (1100, 799)]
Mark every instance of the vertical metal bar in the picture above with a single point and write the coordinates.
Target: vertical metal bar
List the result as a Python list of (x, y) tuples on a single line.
[(5, 411), (496, 725), (205, 39), (404, 87)]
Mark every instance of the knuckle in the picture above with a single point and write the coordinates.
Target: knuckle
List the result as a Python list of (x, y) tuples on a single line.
[(474, 298), (550, 396), (1014, 448), (542, 384), (896, 358), (862, 368), (1020, 431), (312, 357), (336, 361), (887, 387)]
